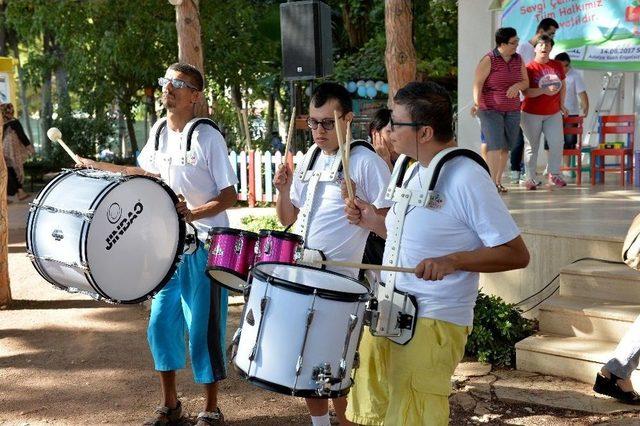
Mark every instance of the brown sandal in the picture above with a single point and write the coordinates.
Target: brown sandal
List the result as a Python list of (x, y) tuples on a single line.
[(501, 189), (165, 416)]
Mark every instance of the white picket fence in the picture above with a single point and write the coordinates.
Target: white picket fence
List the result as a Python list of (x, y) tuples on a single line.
[(264, 165)]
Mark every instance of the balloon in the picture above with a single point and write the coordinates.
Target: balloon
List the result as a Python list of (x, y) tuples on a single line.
[(378, 85), (352, 86), (369, 83), (307, 91), (371, 92), (360, 83), (362, 91), (385, 89)]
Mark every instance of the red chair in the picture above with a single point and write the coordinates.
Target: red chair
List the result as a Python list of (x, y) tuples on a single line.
[(622, 125), (573, 126)]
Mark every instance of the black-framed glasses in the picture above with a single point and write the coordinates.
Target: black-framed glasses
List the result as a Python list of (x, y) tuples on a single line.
[(327, 123), (392, 124), (175, 82)]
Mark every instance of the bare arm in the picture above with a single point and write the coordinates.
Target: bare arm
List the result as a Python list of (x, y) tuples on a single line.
[(584, 103), (113, 168), (482, 72), (524, 84), (286, 211), (226, 199), (505, 257)]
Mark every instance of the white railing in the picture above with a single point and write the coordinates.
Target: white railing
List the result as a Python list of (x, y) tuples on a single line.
[(255, 171)]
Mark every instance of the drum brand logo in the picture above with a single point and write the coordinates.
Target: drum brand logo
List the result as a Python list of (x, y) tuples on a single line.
[(114, 213), (124, 224)]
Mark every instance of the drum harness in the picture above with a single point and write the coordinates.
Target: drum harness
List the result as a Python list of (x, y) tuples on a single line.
[(191, 241), (393, 314)]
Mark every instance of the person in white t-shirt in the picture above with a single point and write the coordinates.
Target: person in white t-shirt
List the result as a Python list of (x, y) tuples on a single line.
[(467, 231), (576, 99), (548, 27), (189, 301), (328, 229)]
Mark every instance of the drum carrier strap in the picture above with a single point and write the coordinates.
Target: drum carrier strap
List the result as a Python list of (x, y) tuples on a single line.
[(385, 323), (187, 133), (307, 174)]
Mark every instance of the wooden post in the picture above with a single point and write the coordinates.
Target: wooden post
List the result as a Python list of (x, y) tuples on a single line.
[(251, 197), (190, 41), (400, 54), (5, 289)]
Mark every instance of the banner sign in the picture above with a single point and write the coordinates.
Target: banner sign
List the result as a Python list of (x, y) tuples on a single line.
[(597, 34)]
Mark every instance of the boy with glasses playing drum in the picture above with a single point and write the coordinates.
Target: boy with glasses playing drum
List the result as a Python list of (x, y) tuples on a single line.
[(189, 301), (465, 229), (315, 199)]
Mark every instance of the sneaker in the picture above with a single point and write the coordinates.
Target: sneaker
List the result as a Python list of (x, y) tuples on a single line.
[(165, 416), (514, 175), (207, 418), (556, 180), (531, 184)]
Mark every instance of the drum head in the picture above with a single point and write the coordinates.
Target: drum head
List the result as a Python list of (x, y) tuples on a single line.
[(227, 278), (134, 240), (307, 279)]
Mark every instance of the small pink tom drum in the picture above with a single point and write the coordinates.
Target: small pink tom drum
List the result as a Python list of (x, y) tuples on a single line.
[(231, 255), (278, 246)]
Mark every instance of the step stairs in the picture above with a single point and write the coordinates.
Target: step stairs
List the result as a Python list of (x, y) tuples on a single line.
[(581, 326)]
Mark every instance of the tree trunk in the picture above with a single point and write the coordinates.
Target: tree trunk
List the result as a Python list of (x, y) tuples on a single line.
[(130, 119), (270, 114), (236, 98), (356, 26), (400, 54), (46, 110), (190, 42), (5, 289)]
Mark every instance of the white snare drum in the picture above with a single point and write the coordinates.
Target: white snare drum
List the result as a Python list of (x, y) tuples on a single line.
[(300, 330), (110, 236)]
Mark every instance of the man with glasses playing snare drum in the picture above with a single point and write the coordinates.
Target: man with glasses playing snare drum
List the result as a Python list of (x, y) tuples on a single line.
[(203, 175), (316, 202)]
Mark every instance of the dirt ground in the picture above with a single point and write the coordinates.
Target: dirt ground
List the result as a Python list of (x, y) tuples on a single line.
[(69, 360)]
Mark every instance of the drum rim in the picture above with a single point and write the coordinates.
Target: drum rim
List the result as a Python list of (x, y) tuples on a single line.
[(221, 230), (281, 234), (274, 387), (231, 271), (305, 289)]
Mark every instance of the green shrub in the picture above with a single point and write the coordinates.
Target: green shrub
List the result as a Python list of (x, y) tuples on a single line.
[(256, 223), (497, 327)]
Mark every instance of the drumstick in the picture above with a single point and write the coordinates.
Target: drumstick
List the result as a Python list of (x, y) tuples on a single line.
[(341, 144), (345, 163), (56, 136), (292, 122), (336, 263)]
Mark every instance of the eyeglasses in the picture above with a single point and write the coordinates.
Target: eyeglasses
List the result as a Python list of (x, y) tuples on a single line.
[(392, 124), (327, 123), (514, 43), (175, 82)]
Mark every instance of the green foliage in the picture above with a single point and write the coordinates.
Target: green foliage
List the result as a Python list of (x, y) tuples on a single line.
[(366, 63), (497, 327), (256, 223), (435, 25)]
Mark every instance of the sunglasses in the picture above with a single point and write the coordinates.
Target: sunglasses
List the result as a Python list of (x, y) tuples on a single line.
[(176, 83), (327, 123)]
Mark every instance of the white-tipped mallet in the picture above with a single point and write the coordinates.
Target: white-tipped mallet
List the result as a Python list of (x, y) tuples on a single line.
[(56, 136)]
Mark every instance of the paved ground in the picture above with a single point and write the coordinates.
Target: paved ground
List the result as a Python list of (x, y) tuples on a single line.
[(68, 360)]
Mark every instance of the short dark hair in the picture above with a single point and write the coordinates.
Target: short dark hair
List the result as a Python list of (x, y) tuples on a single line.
[(547, 23), (563, 56), (191, 71), (545, 39), (504, 34), (327, 91), (428, 104), (380, 120)]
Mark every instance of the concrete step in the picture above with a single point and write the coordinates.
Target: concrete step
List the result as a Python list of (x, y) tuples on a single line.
[(586, 317), (599, 280), (574, 357)]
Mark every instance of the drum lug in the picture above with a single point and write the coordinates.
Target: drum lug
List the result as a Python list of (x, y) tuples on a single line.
[(322, 376), (85, 215)]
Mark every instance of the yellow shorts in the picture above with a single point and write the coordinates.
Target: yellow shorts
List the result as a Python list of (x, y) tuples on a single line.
[(410, 384)]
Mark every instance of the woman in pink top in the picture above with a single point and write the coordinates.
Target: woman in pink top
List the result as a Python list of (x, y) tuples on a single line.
[(500, 76)]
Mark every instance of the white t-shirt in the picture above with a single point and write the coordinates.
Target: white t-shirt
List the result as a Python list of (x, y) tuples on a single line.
[(527, 51), (328, 228), (575, 86), (469, 215), (207, 172)]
